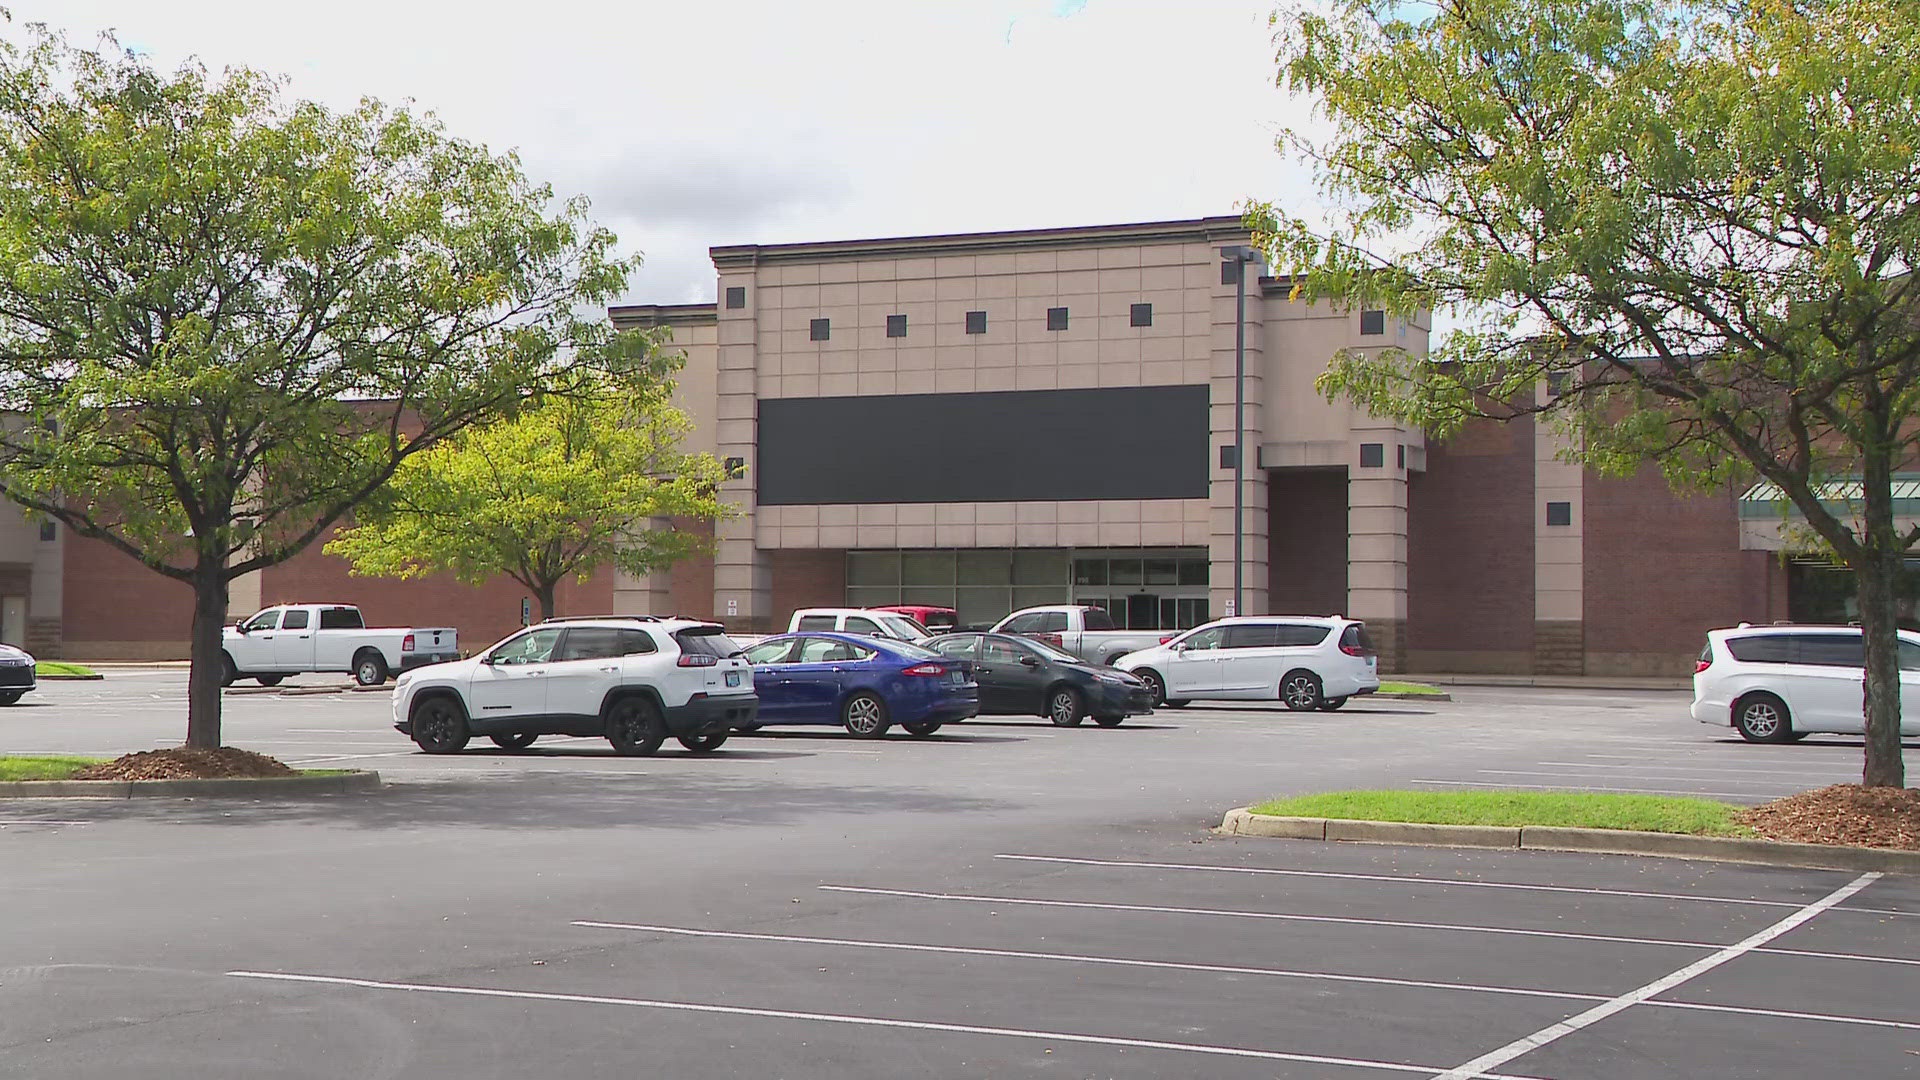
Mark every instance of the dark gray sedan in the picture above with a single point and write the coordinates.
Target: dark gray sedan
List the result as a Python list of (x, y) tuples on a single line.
[(1022, 677)]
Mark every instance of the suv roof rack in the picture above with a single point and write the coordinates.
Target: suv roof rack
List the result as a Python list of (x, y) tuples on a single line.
[(602, 618)]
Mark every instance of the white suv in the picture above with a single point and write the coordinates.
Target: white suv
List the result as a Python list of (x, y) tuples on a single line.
[(1780, 683), (633, 680), (1305, 661)]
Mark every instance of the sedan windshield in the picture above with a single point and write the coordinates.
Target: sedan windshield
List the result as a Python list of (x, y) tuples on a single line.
[(1058, 656)]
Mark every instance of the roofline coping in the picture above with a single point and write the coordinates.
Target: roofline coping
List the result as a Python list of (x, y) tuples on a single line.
[(625, 316), (1207, 229)]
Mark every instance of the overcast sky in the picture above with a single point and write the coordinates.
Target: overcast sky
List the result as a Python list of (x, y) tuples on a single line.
[(692, 124)]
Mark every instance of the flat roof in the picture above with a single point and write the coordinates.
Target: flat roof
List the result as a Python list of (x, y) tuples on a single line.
[(1208, 230)]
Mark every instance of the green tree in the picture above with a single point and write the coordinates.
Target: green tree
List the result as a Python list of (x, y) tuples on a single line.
[(227, 318), (571, 486), (1695, 221)]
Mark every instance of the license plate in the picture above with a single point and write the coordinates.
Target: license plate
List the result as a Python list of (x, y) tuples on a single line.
[(957, 677), (733, 678)]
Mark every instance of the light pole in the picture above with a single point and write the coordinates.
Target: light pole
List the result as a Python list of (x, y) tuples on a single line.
[(1239, 256)]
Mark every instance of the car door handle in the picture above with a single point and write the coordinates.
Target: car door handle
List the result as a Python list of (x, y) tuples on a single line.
[(304, 637), (611, 667)]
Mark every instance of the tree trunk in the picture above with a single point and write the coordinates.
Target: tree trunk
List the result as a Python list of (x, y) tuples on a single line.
[(544, 594), (205, 677), (1876, 576)]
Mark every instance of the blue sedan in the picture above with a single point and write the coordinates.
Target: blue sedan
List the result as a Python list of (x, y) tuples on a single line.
[(862, 683)]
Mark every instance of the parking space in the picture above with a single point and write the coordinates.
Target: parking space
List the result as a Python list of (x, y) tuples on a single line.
[(1007, 898), (1242, 959)]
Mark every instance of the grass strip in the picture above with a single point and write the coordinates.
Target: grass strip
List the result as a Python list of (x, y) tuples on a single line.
[(60, 667), (43, 767), (1409, 688), (1642, 813)]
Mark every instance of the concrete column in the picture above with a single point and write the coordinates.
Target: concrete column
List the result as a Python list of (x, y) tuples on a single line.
[(1377, 540), (643, 594), (742, 574), (1221, 435), (1559, 562)]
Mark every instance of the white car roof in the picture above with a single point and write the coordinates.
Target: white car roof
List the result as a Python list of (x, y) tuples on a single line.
[(838, 611)]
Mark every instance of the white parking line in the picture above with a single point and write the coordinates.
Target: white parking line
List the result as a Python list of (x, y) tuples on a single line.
[(854, 1021), (1225, 969), (1414, 880), (1496, 1058), (1345, 920), (4, 822), (1684, 768), (1631, 774), (1635, 790)]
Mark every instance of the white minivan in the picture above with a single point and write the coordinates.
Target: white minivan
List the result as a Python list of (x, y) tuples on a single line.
[(1308, 662), (1777, 684)]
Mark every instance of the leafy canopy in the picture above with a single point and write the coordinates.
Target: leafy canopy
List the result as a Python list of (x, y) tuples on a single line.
[(576, 484)]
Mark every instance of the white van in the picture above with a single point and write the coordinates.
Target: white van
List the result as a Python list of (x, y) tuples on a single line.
[(1777, 684)]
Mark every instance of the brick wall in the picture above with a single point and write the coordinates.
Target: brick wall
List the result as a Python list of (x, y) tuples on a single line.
[(1306, 541), (1470, 572), (804, 578), (483, 614), (690, 581), (117, 609), (1661, 570)]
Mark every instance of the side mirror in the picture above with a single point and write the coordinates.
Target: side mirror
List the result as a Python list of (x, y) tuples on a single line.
[(1030, 660), (487, 660), (240, 626)]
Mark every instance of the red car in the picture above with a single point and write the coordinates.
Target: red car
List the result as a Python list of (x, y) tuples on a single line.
[(938, 620)]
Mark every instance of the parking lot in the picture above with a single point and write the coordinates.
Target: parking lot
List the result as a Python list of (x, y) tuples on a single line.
[(1007, 898)]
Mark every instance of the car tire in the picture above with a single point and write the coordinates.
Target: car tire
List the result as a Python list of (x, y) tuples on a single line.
[(10, 697), (1177, 703), (1065, 707), (864, 716), (369, 668), (634, 726), (921, 728), (1798, 735), (1762, 718), (269, 680), (1300, 690), (1332, 703), (705, 744), (228, 672), (1156, 686), (440, 725), (519, 740), (1108, 721)]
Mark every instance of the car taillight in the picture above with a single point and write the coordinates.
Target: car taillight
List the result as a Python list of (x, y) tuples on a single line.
[(1701, 665), (697, 659), (1355, 650), (925, 670), (406, 643)]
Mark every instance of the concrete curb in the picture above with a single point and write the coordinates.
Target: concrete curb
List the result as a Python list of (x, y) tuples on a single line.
[(1242, 821), (303, 691), (1407, 697), (271, 788), (95, 677)]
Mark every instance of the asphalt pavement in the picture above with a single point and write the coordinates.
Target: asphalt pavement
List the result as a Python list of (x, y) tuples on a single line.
[(1004, 899)]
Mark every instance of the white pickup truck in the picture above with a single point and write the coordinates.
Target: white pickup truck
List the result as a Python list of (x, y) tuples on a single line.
[(289, 638), (1086, 632)]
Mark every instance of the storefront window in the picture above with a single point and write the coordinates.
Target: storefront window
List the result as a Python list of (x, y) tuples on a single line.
[(1822, 593), (1144, 589)]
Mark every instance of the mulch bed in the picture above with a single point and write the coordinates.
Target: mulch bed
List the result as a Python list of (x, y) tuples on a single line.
[(1842, 814), (186, 764)]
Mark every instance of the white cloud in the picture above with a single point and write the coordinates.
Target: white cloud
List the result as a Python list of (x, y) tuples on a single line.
[(690, 125)]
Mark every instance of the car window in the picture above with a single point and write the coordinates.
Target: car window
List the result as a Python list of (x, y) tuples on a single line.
[(1209, 638), (965, 647), (815, 622), (1296, 634), (1355, 637), (634, 642), (589, 643), (1052, 622), (815, 650), (264, 620), (341, 618), (1759, 649), (772, 652), (532, 647), (998, 652), (1022, 624), (940, 621), (858, 625), (902, 627), (296, 620), (1909, 656), (1254, 636), (1827, 650), (706, 641), (1097, 619)]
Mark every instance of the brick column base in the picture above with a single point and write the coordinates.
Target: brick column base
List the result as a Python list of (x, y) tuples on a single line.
[(1559, 648), (1390, 641), (43, 638)]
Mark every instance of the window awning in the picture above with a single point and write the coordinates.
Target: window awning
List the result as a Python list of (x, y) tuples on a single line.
[(1843, 497)]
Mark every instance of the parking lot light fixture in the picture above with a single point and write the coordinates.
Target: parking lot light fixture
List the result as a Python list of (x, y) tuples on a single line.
[(1239, 256)]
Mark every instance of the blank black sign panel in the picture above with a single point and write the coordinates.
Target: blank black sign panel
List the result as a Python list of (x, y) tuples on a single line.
[(1122, 442)]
